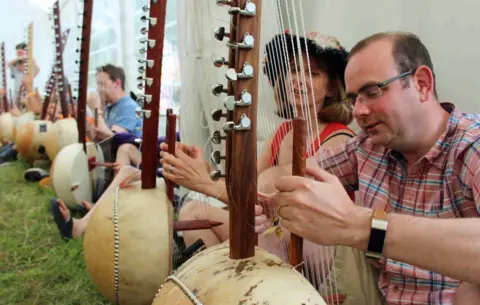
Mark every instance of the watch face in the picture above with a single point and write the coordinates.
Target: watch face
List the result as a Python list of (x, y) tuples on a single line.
[(376, 242)]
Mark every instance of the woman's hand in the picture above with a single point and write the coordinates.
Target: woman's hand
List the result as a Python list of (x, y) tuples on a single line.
[(262, 223), (187, 168), (264, 212)]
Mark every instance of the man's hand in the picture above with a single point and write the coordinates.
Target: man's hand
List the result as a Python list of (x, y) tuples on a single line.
[(101, 133), (321, 211)]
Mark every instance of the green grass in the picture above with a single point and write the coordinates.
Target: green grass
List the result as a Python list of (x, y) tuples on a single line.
[(36, 265)]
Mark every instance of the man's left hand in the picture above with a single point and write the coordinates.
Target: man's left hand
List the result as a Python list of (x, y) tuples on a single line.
[(321, 211), (101, 133)]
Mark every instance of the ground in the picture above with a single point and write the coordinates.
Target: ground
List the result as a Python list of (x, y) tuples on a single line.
[(36, 265)]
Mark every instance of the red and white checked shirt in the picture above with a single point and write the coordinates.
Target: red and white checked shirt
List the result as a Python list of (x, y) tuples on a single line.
[(445, 184)]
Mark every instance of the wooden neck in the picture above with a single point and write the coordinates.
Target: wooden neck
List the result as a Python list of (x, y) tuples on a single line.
[(156, 34), (4, 79), (242, 186), (60, 74), (84, 60)]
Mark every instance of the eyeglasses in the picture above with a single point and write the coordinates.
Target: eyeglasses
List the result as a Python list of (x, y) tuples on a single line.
[(369, 93)]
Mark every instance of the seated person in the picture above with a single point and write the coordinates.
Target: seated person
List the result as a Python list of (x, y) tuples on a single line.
[(75, 228), (129, 151), (120, 110)]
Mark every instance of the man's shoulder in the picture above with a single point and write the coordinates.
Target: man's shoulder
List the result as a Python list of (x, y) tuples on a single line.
[(465, 145), (127, 104)]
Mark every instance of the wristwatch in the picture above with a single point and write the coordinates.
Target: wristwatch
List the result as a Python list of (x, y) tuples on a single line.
[(378, 232)]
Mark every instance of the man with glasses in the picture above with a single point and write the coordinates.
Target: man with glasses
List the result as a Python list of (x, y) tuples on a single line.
[(416, 165)]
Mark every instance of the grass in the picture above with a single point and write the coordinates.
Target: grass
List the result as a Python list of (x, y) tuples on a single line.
[(36, 265)]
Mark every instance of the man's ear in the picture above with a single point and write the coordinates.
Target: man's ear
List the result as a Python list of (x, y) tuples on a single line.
[(118, 83), (424, 82)]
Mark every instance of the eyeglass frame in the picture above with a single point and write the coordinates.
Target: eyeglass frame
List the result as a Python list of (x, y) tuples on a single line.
[(352, 98)]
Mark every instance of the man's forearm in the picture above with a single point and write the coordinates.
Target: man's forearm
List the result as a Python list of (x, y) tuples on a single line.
[(446, 246)]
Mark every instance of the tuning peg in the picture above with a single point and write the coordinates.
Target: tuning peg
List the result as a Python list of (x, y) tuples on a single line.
[(220, 33), (224, 2), (217, 114), (247, 72), (215, 175), (148, 80), (151, 42), (139, 112), (245, 100), (144, 31), (141, 69), (217, 137), (220, 61), (216, 157), (142, 51), (247, 43), (153, 21), (145, 8), (218, 89), (150, 62), (245, 124), (249, 10)]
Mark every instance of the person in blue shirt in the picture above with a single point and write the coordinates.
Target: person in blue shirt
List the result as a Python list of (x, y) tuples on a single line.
[(120, 115)]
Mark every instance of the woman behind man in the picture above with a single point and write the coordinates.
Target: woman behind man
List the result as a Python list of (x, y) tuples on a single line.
[(321, 83), (328, 118)]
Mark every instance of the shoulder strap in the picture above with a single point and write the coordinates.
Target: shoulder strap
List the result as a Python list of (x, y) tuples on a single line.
[(280, 134)]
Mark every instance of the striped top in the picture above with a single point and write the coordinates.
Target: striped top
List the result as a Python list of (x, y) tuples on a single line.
[(444, 184)]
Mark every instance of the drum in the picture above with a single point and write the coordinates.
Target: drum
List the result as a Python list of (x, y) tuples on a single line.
[(62, 133), (70, 176), (211, 277), (30, 140), (7, 122), (18, 123), (128, 245)]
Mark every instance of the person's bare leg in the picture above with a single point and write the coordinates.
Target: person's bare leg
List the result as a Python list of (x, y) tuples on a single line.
[(195, 210), (128, 154), (80, 225)]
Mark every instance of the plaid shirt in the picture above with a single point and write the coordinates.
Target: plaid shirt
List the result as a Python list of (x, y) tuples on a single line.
[(444, 184)]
